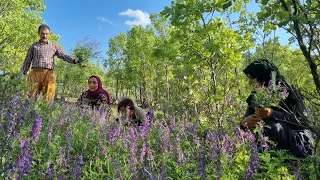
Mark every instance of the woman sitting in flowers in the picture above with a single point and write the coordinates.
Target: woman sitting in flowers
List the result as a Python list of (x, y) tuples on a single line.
[(95, 96), (135, 114), (279, 106)]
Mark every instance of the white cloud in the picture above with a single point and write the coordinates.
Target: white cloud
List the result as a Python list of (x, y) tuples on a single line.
[(105, 20), (140, 17)]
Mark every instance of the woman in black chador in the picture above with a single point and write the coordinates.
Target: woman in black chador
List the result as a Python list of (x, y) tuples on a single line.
[(288, 121)]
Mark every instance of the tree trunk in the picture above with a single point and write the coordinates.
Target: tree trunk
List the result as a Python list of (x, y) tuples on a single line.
[(135, 92), (127, 92), (144, 93), (167, 92), (140, 92), (307, 55), (117, 88), (214, 81), (302, 45)]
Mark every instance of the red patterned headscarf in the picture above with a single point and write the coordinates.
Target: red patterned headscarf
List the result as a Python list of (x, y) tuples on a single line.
[(100, 90)]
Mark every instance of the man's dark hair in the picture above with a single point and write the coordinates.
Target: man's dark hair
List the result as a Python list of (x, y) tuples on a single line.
[(126, 102), (43, 26)]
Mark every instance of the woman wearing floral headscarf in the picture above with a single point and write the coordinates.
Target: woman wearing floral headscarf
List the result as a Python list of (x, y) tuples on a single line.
[(287, 120), (95, 96)]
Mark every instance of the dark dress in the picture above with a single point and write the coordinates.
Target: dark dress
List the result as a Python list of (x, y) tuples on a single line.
[(94, 103), (288, 124)]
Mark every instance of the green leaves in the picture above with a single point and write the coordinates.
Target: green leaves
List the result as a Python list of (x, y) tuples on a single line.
[(86, 50), (264, 2), (297, 18), (18, 23)]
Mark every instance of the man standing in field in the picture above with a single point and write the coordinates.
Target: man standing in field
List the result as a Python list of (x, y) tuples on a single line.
[(42, 78)]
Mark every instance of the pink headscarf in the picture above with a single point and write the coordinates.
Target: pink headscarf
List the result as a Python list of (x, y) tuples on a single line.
[(95, 94)]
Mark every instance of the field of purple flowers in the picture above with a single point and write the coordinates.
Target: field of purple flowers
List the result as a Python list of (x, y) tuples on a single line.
[(65, 142)]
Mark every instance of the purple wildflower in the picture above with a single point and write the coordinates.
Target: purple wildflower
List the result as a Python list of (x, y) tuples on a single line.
[(202, 168), (149, 153), (101, 170), (124, 141), (102, 149), (164, 172), (78, 168), (172, 125), (226, 144), (192, 134), (296, 171), (150, 158), (16, 99), (178, 150), (50, 171), (254, 159), (150, 116), (115, 167), (103, 129), (233, 142), (145, 128), (68, 139), (68, 134), (133, 150), (11, 126), (285, 93), (93, 117), (165, 138), (143, 152), (103, 114), (86, 139), (72, 110), (152, 177), (49, 129), (60, 160), (60, 177), (36, 129), (83, 112), (216, 149), (24, 160), (63, 119), (114, 134), (239, 134), (11, 171)]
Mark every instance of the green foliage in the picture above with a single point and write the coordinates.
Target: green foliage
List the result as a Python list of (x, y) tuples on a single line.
[(19, 21), (269, 96), (85, 51), (72, 78), (78, 142), (298, 19)]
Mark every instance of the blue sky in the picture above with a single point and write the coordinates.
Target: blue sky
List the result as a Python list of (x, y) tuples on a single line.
[(101, 20)]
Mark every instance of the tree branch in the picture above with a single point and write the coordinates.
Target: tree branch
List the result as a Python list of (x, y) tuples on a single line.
[(205, 27)]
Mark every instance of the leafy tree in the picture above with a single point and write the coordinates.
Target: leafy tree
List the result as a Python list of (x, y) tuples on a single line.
[(301, 19), (19, 21), (139, 60), (116, 58)]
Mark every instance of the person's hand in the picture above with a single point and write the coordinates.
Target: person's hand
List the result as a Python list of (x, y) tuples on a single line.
[(76, 61), (251, 121), (79, 59), (264, 113)]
